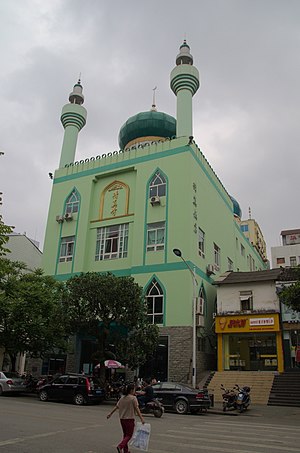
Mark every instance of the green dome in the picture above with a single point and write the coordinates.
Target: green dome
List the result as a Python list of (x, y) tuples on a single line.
[(236, 207), (147, 124)]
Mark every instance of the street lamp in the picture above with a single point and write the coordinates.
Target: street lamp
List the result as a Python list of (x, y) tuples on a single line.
[(178, 253)]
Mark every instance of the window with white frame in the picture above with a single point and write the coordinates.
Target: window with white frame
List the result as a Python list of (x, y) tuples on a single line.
[(66, 249), (156, 236), (280, 260), (201, 243), (72, 204), (112, 242), (157, 186), (229, 264), (217, 256), (242, 250), (200, 301), (246, 300), (155, 303), (293, 261)]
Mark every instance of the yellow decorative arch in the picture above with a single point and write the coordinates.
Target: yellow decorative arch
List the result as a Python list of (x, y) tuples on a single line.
[(114, 200)]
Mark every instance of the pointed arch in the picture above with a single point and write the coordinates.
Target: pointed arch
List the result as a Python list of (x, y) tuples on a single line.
[(155, 298), (202, 300), (157, 184), (72, 202), (110, 199)]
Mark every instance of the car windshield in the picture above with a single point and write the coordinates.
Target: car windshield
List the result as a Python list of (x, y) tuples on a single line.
[(11, 374)]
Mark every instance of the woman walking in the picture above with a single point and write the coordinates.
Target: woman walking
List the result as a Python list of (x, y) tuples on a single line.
[(128, 407)]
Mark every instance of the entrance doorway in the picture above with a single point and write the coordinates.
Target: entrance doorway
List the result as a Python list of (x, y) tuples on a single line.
[(157, 365)]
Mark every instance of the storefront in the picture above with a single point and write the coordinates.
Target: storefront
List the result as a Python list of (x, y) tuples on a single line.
[(249, 343), (291, 337)]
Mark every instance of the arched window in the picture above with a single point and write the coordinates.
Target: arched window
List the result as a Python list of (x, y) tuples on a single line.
[(72, 203), (155, 303), (157, 185)]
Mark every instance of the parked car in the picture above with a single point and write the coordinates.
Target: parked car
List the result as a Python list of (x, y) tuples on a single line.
[(181, 397), (77, 388), (11, 382)]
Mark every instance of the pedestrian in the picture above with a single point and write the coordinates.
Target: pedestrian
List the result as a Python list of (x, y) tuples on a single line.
[(128, 407)]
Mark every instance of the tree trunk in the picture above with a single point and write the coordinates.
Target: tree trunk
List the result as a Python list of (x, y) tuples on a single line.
[(13, 360)]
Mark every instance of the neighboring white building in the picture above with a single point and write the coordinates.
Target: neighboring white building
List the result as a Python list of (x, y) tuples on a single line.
[(287, 254), (24, 249), (27, 251), (247, 321)]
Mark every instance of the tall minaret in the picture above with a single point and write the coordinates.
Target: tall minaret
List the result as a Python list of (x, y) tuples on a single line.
[(73, 118), (185, 81)]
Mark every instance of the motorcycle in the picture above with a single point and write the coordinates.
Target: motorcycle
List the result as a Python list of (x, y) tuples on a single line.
[(243, 398), (153, 407), (229, 398)]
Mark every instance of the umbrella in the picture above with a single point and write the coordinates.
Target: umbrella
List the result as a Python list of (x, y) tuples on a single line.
[(113, 364)]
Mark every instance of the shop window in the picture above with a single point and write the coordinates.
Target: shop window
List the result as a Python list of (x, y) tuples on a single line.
[(246, 300)]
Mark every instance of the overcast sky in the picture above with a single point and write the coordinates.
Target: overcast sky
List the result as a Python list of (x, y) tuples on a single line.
[(246, 113)]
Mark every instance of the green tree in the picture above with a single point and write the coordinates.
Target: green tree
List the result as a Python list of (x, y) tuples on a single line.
[(290, 295), (31, 312), (5, 230), (112, 310)]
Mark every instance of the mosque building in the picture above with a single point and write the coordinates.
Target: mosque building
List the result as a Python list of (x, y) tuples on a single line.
[(156, 210)]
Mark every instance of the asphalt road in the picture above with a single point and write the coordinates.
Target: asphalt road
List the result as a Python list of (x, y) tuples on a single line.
[(30, 426)]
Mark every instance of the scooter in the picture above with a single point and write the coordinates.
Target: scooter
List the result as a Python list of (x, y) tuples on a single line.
[(243, 398), (153, 407), (229, 398)]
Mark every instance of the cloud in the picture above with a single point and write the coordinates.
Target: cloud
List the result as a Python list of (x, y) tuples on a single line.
[(245, 114)]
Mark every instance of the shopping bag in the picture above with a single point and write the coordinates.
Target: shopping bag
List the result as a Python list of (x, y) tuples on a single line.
[(141, 436)]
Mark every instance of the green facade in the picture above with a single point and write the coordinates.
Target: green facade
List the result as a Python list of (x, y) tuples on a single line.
[(114, 189)]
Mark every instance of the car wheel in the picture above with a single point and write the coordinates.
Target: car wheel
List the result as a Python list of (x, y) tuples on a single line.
[(181, 407), (1, 391), (43, 395), (79, 399)]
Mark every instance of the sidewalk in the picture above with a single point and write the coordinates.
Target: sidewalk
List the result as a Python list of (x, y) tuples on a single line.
[(257, 410)]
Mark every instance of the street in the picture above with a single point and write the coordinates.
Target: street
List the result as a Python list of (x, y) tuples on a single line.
[(30, 426)]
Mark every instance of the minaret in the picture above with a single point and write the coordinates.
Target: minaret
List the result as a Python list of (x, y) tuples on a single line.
[(185, 81), (73, 118)]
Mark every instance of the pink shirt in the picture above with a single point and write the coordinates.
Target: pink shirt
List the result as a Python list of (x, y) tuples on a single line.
[(127, 406)]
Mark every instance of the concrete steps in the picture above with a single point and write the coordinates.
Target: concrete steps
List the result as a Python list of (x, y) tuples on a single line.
[(285, 390), (260, 383)]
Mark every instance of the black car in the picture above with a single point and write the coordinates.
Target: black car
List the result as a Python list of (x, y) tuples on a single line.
[(181, 397), (77, 388)]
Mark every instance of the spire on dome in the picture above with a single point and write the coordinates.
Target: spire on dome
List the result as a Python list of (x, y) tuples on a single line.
[(76, 97), (184, 56), (153, 108)]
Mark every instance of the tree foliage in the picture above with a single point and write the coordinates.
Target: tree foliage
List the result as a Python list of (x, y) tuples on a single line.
[(290, 294), (113, 311), (5, 230), (32, 317)]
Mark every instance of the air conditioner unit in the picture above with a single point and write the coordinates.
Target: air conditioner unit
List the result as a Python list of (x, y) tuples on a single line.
[(210, 269), (59, 219), (68, 216), (154, 201), (200, 321)]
